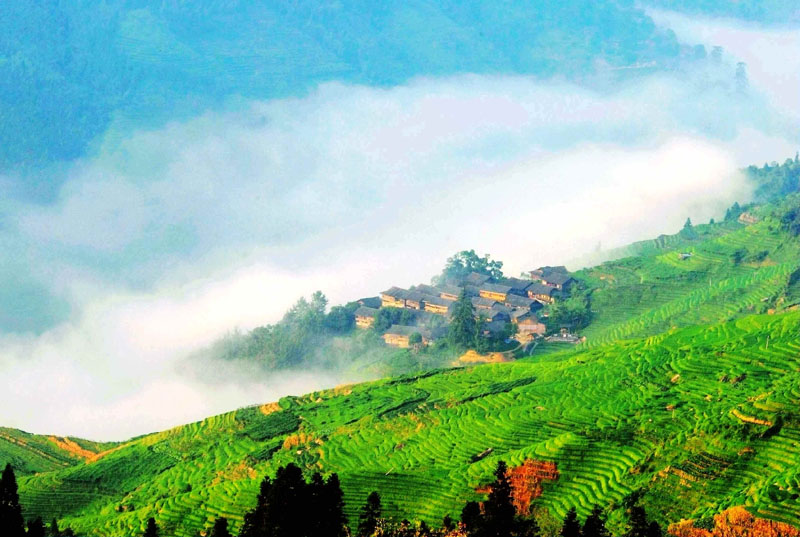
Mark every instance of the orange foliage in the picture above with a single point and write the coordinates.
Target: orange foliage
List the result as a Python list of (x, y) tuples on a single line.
[(526, 482), (735, 522)]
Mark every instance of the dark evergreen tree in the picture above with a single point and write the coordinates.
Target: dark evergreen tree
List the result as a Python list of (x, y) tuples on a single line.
[(69, 533), (11, 522), (36, 528), (472, 518), (287, 505), (461, 332), (255, 521), (526, 527), (220, 528), (369, 516), (152, 528), (595, 524), (448, 524), (333, 519), (654, 530), (423, 530), (571, 526), (499, 511), (637, 522), (54, 531)]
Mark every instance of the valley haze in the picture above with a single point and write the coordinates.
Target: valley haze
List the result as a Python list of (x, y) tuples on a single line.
[(161, 239)]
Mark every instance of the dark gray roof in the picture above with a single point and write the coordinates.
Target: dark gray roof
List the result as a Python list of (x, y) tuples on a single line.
[(449, 289), (472, 290), (540, 289), (479, 301), (426, 289), (557, 278), (364, 311), (438, 301), (402, 330), (496, 288), (501, 308), (396, 292), (519, 301), (516, 284), (414, 296), (517, 313), (370, 302), (544, 271), (475, 278)]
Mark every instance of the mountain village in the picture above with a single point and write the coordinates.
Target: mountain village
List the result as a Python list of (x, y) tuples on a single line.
[(508, 305)]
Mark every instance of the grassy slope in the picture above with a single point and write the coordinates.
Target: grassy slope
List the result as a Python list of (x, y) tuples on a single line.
[(598, 410), (30, 453), (600, 414)]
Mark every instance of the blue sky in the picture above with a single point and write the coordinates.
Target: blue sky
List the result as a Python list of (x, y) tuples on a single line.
[(164, 232)]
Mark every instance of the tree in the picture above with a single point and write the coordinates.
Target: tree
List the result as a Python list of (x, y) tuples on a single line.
[(595, 524), (152, 529), (54, 531), (36, 527), (499, 511), (688, 231), (220, 528), (571, 526), (472, 518), (637, 522), (11, 522), (461, 332), (369, 516), (415, 340), (255, 523), (463, 263), (327, 504), (447, 524)]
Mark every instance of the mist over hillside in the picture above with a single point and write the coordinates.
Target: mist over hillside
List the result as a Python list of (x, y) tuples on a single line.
[(170, 180)]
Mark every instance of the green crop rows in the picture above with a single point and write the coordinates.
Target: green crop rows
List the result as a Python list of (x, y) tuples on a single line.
[(658, 411)]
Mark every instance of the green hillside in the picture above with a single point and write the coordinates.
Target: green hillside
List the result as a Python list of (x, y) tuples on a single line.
[(685, 389), (672, 414), (31, 453)]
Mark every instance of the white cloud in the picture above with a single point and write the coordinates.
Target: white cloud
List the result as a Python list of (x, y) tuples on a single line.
[(172, 238), (770, 53)]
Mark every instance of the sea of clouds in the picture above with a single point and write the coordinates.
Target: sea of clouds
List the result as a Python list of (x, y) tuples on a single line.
[(162, 241)]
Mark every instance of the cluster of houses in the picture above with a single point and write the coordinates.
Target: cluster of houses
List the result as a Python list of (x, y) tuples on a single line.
[(510, 300)]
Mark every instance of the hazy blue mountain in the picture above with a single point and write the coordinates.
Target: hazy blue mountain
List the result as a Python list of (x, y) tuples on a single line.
[(68, 70)]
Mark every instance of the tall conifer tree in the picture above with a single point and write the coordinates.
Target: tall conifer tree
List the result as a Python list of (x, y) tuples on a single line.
[(11, 522)]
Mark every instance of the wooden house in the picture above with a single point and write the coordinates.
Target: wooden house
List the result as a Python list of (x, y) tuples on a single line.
[(528, 327), (426, 289), (475, 278), (518, 287), (400, 335), (493, 315), (543, 293), (365, 316), (370, 302), (479, 302), (516, 301), (558, 280), (438, 305), (414, 300), (557, 277), (394, 298), (494, 291), (449, 292)]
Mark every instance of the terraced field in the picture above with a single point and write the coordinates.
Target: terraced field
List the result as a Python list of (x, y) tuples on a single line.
[(660, 289), (30, 453), (702, 418)]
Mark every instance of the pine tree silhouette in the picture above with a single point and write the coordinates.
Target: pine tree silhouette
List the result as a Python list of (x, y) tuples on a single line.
[(571, 526), (11, 522), (369, 516)]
